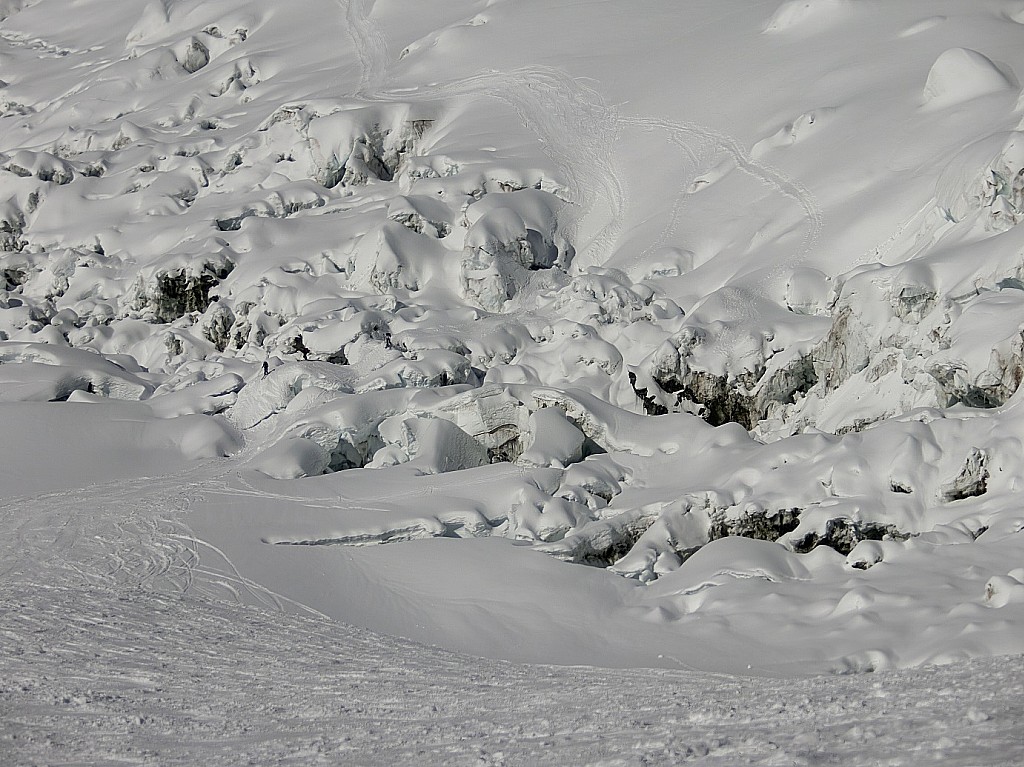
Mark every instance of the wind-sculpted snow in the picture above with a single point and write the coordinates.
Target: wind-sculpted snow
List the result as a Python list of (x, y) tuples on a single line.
[(688, 358)]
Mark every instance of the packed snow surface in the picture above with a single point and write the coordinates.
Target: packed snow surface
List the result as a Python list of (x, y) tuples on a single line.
[(353, 353)]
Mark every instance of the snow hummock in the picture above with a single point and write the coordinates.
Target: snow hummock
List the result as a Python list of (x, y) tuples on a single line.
[(962, 74)]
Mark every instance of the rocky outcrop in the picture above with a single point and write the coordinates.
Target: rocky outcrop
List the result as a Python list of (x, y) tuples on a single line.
[(972, 480), (193, 56), (41, 165), (174, 292), (753, 522), (843, 534), (12, 229), (745, 399), (423, 215), (340, 145), (217, 323), (377, 153), (605, 542)]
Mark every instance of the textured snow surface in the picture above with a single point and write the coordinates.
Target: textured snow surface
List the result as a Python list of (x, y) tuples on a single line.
[(622, 335), (98, 677)]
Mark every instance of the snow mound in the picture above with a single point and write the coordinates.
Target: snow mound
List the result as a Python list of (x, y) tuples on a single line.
[(962, 74), (35, 371), (291, 458)]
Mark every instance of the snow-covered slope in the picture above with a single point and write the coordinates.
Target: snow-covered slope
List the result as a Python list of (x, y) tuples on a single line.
[(163, 680), (622, 334)]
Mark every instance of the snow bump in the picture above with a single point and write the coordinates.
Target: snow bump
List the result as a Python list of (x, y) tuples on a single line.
[(962, 74)]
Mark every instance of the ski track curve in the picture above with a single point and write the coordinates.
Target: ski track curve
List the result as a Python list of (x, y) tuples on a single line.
[(370, 43), (125, 534), (579, 131)]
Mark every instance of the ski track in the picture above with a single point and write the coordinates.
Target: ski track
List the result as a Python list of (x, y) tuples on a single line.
[(370, 44), (579, 131)]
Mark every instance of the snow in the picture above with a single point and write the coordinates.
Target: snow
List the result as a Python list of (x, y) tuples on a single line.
[(151, 679), (446, 382), (961, 74)]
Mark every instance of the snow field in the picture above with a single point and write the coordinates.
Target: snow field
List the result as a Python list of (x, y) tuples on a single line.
[(463, 323)]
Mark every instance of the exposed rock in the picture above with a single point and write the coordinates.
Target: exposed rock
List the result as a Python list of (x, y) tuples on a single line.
[(243, 76), (13, 277), (423, 215), (509, 236), (251, 326), (843, 352), (650, 404), (12, 229), (349, 455), (603, 543), (744, 399), (914, 302), (971, 481), (1001, 590), (273, 207), (843, 534), (376, 154), (173, 293), (752, 523), (195, 56), (989, 387), (217, 323), (499, 253), (42, 165), (721, 400), (896, 343)]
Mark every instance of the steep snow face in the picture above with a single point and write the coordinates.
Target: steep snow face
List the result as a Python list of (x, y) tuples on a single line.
[(645, 343)]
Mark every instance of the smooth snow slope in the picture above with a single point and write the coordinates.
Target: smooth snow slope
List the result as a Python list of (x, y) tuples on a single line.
[(662, 334)]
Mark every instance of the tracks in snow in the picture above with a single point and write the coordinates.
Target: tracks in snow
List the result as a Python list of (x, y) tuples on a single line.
[(370, 43), (682, 134), (123, 535), (109, 534), (579, 131)]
